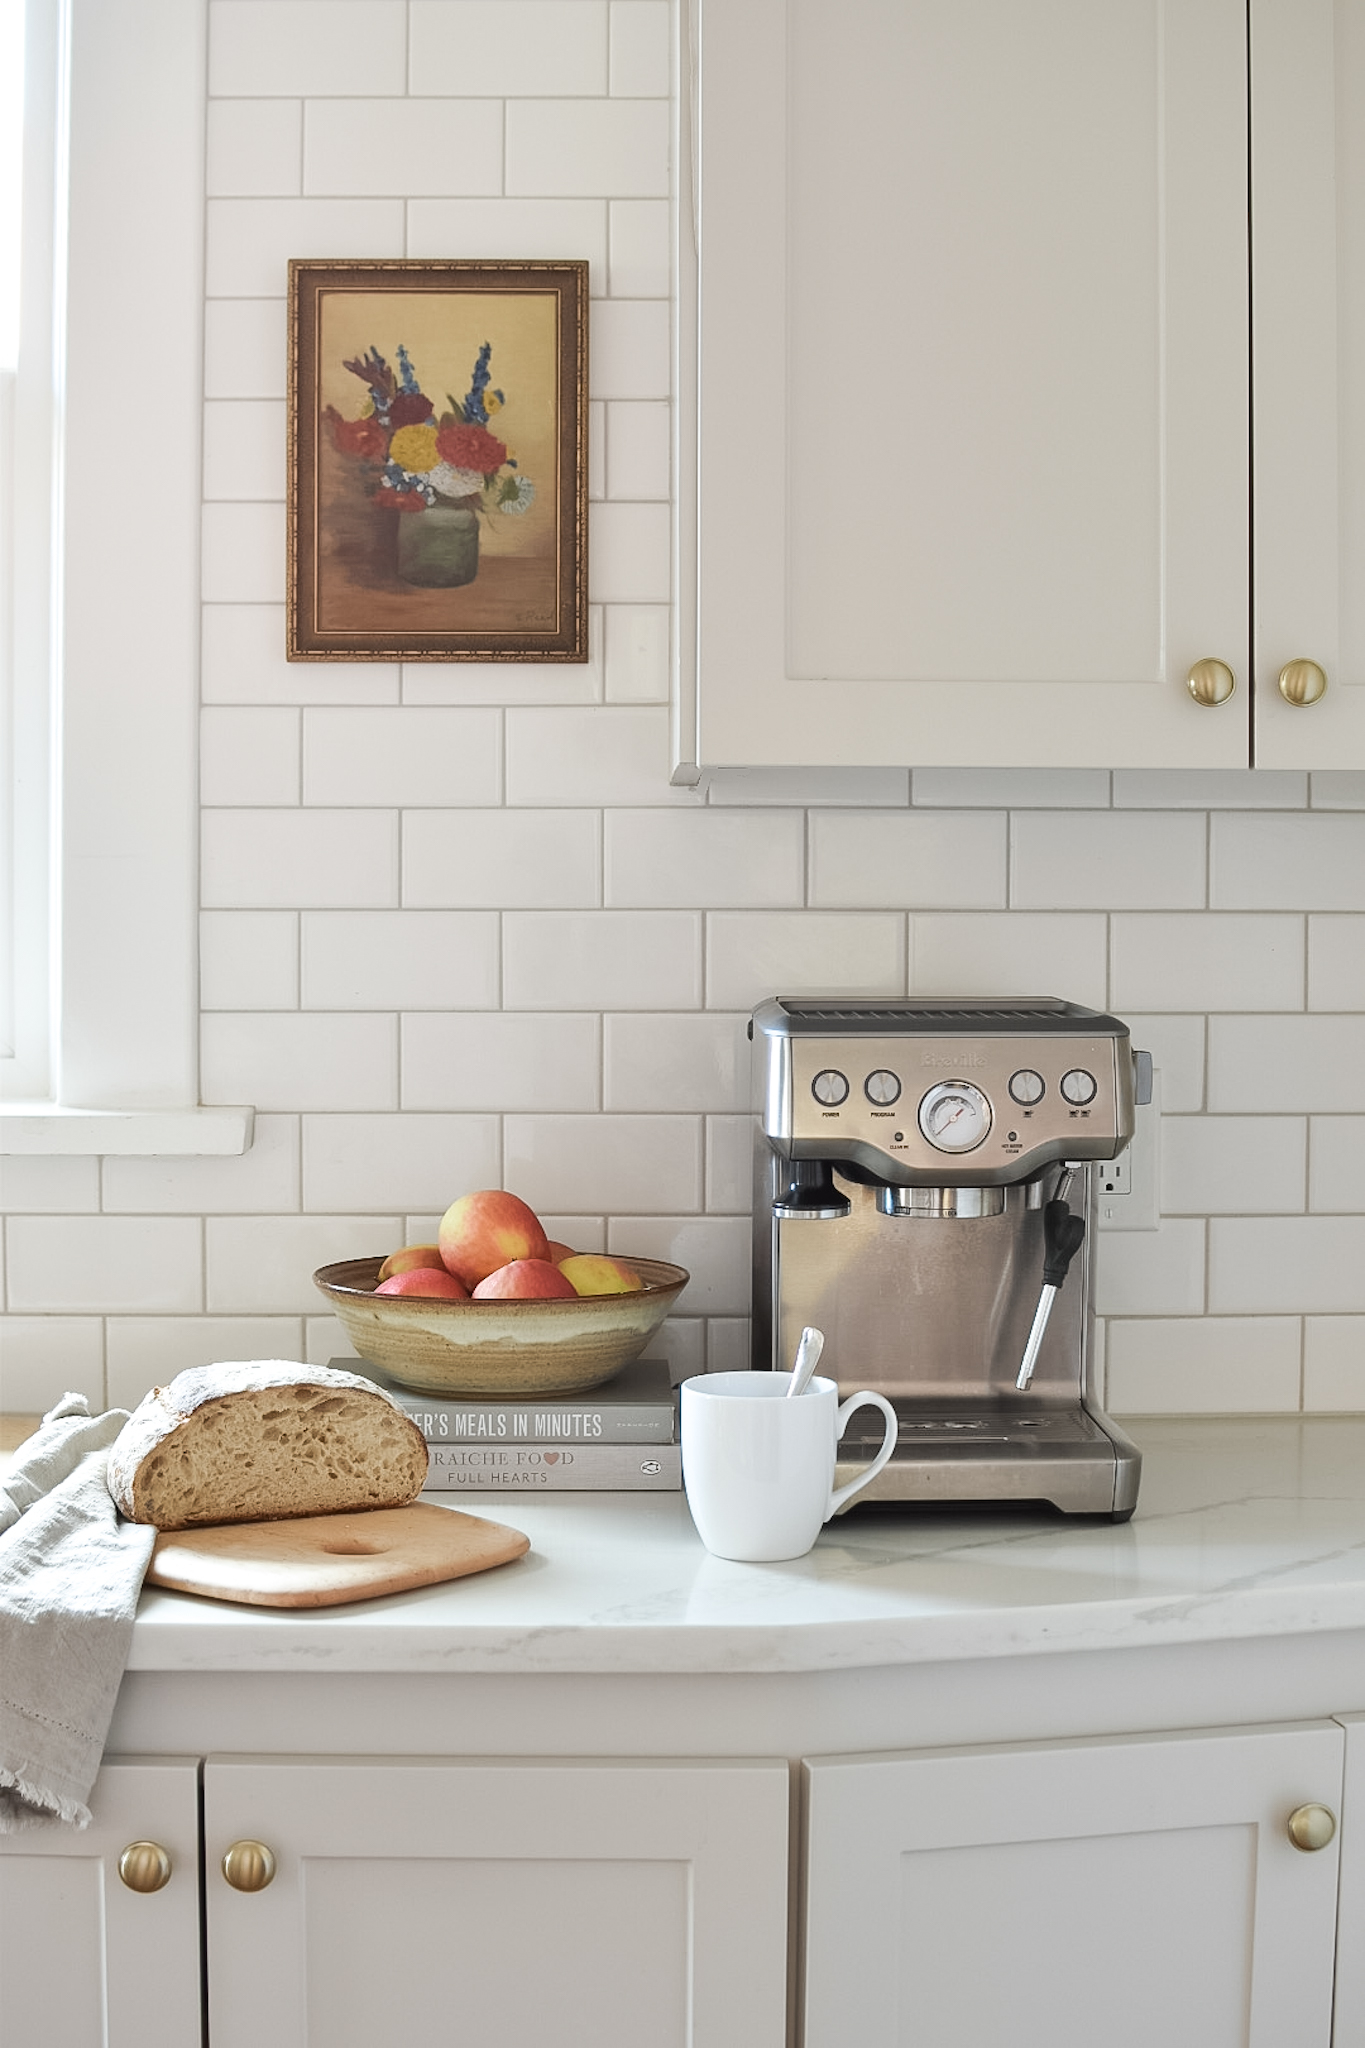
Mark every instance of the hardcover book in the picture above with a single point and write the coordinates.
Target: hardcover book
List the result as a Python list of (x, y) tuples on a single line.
[(531, 1468), (638, 1406)]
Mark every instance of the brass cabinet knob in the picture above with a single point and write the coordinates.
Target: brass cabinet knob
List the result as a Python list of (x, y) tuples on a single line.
[(1210, 682), (1312, 1827), (249, 1866), (1302, 682), (144, 1867)]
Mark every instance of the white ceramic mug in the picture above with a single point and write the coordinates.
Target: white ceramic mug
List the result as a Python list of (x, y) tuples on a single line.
[(759, 1469)]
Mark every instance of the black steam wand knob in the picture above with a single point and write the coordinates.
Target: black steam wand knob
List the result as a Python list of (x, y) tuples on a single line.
[(1062, 1236)]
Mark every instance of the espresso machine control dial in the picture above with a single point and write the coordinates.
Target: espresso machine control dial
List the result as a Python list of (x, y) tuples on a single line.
[(955, 1116), (1078, 1087), (883, 1087), (1027, 1087), (830, 1087)]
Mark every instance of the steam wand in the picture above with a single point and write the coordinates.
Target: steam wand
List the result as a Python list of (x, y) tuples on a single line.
[(1062, 1234)]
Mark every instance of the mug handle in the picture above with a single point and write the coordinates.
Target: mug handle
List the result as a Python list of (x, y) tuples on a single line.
[(843, 1493)]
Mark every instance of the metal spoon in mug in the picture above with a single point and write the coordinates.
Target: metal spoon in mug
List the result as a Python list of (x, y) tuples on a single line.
[(807, 1358)]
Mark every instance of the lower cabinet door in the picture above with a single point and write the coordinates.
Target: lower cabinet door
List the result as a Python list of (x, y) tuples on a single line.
[(592, 1905), (1143, 1892), (85, 1958)]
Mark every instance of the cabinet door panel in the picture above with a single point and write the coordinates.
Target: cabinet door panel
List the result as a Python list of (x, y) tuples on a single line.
[(595, 1905), (972, 388), (1137, 1891), (82, 1958), (1308, 218), (1349, 2004)]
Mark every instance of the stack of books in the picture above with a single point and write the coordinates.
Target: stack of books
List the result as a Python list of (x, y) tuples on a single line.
[(621, 1436)]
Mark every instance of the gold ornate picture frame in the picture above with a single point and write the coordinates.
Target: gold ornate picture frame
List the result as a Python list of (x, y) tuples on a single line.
[(438, 476)]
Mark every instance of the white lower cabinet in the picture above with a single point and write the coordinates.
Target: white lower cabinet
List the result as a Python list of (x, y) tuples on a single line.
[(86, 1959), (1140, 1891), (591, 1904)]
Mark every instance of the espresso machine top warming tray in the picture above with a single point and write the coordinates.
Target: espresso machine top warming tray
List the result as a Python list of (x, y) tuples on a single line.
[(923, 1194)]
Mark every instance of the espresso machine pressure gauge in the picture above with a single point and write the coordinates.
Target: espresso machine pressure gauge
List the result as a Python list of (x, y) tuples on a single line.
[(955, 1116)]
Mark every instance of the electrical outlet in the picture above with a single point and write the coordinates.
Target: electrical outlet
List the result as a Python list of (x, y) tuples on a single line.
[(1127, 1188)]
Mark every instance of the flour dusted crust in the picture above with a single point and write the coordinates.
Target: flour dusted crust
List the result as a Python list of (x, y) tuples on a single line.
[(263, 1440)]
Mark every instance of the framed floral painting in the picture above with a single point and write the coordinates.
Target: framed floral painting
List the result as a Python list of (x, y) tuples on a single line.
[(438, 461)]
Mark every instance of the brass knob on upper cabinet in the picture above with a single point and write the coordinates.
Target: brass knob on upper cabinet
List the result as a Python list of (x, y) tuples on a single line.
[(1312, 1827), (1302, 682), (249, 1866), (1210, 682), (144, 1867)]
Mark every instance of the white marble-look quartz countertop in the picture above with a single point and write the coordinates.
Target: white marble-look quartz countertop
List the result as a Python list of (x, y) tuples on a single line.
[(1243, 1528)]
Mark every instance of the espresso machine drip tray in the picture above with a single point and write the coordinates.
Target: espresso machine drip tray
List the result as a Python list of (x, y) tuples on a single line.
[(988, 1454)]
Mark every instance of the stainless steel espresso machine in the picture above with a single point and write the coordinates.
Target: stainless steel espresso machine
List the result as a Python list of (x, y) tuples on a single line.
[(923, 1196)]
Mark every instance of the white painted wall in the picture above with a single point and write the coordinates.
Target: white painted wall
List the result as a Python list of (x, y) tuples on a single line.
[(458, 929)]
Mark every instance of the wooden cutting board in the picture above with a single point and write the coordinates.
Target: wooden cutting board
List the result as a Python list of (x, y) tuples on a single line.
[(322, 1560)]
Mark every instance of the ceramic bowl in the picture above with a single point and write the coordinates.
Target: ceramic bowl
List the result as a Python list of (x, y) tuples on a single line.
[(513, 1348)]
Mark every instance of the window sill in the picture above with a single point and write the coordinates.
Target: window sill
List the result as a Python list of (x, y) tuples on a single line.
[(48, 1127)]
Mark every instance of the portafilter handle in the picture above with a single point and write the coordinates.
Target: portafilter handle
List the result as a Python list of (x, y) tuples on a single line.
[(1062, 1235)]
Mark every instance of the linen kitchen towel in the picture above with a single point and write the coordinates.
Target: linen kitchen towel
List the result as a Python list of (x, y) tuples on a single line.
[(71, 1569)]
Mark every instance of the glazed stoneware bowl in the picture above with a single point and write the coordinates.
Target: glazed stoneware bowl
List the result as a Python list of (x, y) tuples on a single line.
[(513, 1348)]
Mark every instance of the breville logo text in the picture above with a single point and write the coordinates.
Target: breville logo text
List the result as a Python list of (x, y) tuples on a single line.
[(959, 1060)]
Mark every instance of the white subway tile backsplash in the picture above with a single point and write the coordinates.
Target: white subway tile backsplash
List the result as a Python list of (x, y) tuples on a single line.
[(295, 46), (602, 960), (752, 954), (1113, 860), (714, 1250), (48, 1182), (1273, 1265), (1013, 789), (244, 350), (503, 1060), (1334, 1365), (638, 449), (508, 860), (1209, 789), (410, 755), (263, 1178), (1294, 1064), (631, 349), (597, 450), (1301, 862), (727, 1344), (371, 148), (903, 859), (1177, 1048), (637, 653), (1336, 1148), (249, 959), (268, 859), (397, 1162), (255, 148), (730, 1165), (243, 553), (682, 1343), (604, 1162), (507, 48), (244, 663), (984, 953), (616, 754), (698, 1062), (250, 241), (1232, 1165), (324, 1339), (1336, 963), (640, 263), (44, 1357), (583, 148), (702, 858), (1204, 960), (630, 553), (248, 755), (291, 1062), (264, 1265), (69, 1265), (147, 1351), (534, 229), (640, 47), (1203, 1365), (399, 960), (1151, 1272)]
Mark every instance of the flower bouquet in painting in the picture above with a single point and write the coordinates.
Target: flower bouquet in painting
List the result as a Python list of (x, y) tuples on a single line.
[(441, 473)]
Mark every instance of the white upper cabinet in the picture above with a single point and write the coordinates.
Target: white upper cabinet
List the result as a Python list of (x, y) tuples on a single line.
[(971, 380), (1308, 210)]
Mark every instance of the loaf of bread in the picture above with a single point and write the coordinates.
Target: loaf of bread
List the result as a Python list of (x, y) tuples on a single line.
[(258, 1441)]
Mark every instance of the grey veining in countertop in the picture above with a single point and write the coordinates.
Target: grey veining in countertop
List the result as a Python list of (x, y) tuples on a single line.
[(1244, 1527)]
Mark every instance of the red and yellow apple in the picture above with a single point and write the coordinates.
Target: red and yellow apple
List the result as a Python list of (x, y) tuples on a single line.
[(595, 1273), (556, 1252), (525, 1280), (425, 1281), (412, 1255), (488, 1229)]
